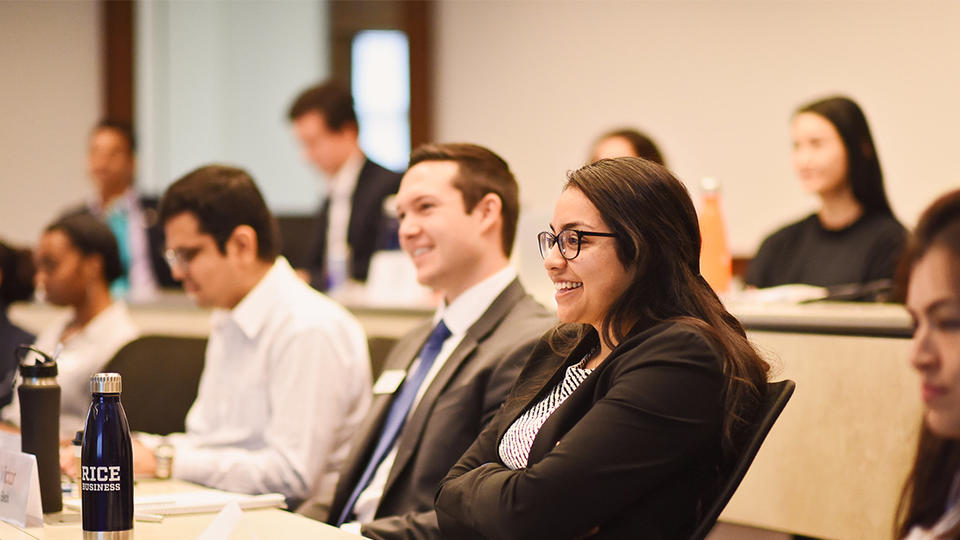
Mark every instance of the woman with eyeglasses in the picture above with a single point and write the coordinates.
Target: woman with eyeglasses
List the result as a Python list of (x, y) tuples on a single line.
[(620, 421), (76, 260), (930, 503)]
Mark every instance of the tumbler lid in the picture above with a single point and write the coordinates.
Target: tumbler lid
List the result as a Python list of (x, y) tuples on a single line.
[(34, 363), (105, 383)]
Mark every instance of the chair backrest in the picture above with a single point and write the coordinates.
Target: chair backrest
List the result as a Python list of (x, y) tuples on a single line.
[(160, 379), (778, 394)]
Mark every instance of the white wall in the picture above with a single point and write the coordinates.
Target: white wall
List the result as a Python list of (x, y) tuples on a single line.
[(714, 83), (214, 81), (49, 99)]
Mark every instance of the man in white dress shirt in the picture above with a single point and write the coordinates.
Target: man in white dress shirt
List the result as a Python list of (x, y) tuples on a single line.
[(286, 378)]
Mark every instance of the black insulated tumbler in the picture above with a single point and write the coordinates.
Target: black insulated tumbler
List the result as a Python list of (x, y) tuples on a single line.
[(39, 396)]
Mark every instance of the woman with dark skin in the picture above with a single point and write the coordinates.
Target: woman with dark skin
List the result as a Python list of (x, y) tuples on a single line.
[(853, 237), (624, 415), (77, 258), (930, 504)]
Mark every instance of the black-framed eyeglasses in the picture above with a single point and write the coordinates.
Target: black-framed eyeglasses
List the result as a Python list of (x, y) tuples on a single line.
[(180, 257), (568, 240)]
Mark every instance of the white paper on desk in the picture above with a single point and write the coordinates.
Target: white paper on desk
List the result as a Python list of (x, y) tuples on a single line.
[(195, 502), (223, 524), (20, 489)]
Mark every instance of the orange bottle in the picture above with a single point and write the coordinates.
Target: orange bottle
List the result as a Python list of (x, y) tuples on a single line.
[(715, 262)]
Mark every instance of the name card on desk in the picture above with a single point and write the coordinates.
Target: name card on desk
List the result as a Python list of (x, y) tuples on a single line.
[(20, 489)]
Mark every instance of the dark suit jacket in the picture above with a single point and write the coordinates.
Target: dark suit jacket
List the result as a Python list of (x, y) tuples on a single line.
[(631, 452), (462, 398), (367, 231)]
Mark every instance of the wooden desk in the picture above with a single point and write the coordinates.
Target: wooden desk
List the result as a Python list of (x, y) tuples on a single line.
[(176, 316), (262, 523), (834, 463)]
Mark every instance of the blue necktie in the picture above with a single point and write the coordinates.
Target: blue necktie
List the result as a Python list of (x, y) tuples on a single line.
[(398, 413)]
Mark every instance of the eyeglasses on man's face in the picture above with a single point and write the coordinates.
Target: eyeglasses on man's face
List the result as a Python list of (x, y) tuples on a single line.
[(568, 241), (180, 258)]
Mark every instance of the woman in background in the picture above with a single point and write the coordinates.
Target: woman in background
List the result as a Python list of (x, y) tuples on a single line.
[(16, 284), (853, 238), (621, 419), (77, 258), (625, 142), (930, 504)]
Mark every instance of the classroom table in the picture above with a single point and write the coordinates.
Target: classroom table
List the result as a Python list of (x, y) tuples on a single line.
[(262, 524), (833, 464)]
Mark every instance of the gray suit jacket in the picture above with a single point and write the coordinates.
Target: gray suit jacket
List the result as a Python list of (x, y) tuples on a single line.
[(460, 401)]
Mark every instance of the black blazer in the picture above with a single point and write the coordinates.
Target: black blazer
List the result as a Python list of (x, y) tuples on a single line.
[(458, 403), (366, 232), (628, 455)]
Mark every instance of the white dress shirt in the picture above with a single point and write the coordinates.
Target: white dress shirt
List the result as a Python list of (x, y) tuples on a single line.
[(84, 353), (340, 191), (285, 384), (459, 316)]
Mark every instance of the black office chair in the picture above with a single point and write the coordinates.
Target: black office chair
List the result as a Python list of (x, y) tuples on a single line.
[(160, 379), (778, 394)]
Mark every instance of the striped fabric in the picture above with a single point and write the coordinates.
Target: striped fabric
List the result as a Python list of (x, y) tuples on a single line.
[(517, 441)]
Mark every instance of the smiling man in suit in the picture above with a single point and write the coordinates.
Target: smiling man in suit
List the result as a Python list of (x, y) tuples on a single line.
[(350, 224), (444, 381)]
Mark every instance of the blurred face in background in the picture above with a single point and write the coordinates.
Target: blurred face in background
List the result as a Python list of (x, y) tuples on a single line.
[(612, 147), (819, 157), (325, 148), (933, 300), (64, 274), (110, 163)]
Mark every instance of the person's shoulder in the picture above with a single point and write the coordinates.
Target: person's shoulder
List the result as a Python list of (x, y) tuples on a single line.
[(673, 340), (519, 313), (527, 311), (883, 224), (377, 174), (790, 231), (121, 321)]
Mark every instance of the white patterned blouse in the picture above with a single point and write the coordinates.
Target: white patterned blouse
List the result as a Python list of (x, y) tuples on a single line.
[(516, 443)]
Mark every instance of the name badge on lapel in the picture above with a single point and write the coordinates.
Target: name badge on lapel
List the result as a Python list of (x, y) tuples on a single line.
[(389, 381)]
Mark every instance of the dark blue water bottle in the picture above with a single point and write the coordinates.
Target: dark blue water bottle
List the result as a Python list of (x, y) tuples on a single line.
[(106, 464)]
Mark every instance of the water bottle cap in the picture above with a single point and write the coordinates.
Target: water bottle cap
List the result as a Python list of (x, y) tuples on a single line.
[(710, 184), (105, 383), (34, 363)]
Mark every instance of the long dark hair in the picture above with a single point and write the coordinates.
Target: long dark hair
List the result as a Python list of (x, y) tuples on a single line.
[(658, 238), (937, 461), (863, 165), (91, 237)]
